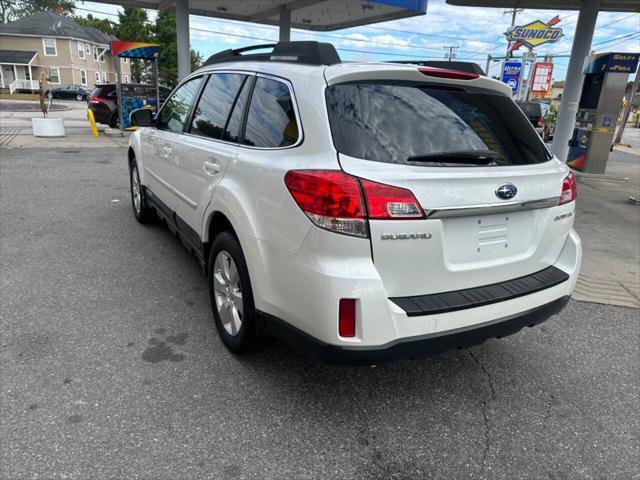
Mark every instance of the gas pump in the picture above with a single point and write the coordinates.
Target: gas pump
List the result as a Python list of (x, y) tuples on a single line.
[(128, 98), (605, 79)]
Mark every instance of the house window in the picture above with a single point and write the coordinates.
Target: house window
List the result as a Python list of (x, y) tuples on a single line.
[(83, 77), (97, 77), (87, 49), (104, 77), (50, 47), (126, 79), (95, 53), (54, 75), (81, 49)]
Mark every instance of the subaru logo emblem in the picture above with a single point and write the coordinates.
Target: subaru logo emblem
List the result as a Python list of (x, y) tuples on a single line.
[(506, 191)]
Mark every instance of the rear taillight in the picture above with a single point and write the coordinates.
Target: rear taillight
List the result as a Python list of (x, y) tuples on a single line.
[(569, 191), (446, 73), (334, 200), (330, 198), (347, 317), (539, 121), (385, 202), (96, 99)]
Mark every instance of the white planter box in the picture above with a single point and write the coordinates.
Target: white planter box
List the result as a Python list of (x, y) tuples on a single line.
[(48, 127)]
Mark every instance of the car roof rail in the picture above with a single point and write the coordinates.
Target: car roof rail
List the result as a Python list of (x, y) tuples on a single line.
[(307, 52), (468, 67)]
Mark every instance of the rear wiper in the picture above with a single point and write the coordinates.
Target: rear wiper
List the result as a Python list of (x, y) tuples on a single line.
[(474, 157)]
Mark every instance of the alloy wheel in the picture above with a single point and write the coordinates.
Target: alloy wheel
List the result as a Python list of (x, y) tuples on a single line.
[(135, 189), (227, 292)]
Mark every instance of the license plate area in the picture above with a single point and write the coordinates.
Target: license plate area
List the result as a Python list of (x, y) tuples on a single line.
[(487, 237)]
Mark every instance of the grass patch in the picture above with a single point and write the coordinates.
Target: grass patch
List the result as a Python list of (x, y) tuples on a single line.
[(20, 96)]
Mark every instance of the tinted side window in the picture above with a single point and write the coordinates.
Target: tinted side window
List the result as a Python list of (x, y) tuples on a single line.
[(271, 121), (232, 133), (175, 111), (215, 104)]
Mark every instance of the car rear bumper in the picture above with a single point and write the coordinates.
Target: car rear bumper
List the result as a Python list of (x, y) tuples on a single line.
[(412, 347)]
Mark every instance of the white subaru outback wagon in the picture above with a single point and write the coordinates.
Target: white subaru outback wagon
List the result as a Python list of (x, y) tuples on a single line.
[(358, 211)]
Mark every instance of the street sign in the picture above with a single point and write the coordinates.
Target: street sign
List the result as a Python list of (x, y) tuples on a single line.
[(534, 34), (541, 76), (511, 71)]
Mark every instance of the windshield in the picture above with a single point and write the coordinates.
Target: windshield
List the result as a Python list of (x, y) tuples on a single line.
[(398, 122)]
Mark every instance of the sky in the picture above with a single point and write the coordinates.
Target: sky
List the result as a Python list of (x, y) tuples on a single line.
[(477, 32)]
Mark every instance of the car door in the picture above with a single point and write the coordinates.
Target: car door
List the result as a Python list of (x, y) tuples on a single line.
[(158, 145), (202, 155)]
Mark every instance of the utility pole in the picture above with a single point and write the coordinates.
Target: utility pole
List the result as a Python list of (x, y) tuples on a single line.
[(450, 52), (513, 12)]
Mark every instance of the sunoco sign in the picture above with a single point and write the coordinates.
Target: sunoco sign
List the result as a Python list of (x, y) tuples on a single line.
[(534, 34)]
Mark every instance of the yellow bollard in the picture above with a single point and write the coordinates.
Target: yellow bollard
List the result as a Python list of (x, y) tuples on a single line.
[(92, 123)]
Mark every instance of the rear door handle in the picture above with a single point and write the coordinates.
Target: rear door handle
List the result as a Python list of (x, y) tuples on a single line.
[(211, 168)]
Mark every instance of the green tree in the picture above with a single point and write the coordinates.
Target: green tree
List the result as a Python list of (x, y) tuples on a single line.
[(196, 60), (102, 24), (24, 8), (133, 25), (164, 33), (7, 10)]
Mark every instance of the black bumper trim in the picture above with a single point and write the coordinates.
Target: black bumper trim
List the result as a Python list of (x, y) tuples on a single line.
[(411, 347), (476, 297)]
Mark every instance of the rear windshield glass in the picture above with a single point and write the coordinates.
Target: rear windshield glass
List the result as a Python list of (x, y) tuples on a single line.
[(405, 123)]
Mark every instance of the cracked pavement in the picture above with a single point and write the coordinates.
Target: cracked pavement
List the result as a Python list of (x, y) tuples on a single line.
[(111, 367)]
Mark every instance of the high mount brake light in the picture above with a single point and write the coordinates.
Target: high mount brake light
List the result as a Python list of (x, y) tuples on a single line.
[(569, 190), (339, 202), (447, 73)]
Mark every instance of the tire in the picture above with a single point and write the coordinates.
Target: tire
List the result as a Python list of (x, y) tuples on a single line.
[(142, 212), (234, 314), (115, 121), (79, 98)]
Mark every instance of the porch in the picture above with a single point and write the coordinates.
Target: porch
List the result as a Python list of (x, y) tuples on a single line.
[(16, 71)]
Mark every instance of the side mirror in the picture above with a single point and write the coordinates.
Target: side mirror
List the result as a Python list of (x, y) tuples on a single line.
[(142, 117)]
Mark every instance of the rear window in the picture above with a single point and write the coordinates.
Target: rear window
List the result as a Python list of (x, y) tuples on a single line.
[(407, 123), (271, 121)]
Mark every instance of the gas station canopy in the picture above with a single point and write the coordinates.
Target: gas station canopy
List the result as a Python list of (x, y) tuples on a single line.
[(604, 5), (320, 15)]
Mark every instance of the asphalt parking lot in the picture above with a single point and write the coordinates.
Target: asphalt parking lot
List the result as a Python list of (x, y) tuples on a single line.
[(111, 367)]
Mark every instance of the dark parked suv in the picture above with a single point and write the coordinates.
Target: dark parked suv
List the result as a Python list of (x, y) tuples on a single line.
[(535, 112), (70, 92), (103, 101)]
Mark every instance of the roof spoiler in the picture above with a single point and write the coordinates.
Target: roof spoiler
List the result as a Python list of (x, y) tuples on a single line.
[(309, 53)]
